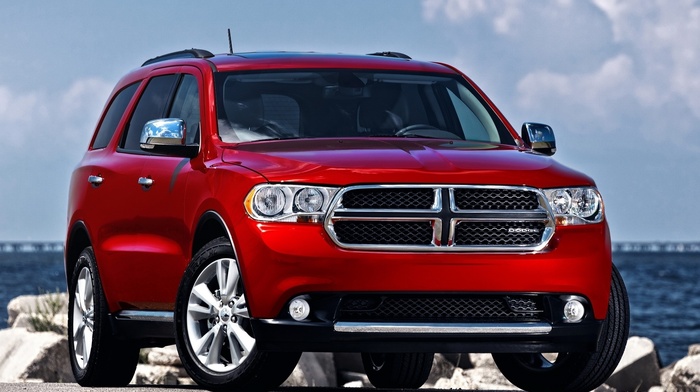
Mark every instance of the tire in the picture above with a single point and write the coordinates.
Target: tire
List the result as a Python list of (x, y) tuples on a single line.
[(97, 358), (575, 372), (397, 370), (212, 327)]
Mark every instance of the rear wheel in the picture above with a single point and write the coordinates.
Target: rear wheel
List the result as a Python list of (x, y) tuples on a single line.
[(397, 370), (97, 358), (212, 324), (574, 372)]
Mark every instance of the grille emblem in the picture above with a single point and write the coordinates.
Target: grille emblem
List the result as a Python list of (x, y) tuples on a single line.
[(523, 230)]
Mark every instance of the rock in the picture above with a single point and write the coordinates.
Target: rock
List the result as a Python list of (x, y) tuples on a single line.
[(313, 370), (480, 378), (489, 378), (459, 380), (638, 369), (442, 368), (32, 304), (685, 375), (155, 375), (28, 355), (482, 360), (459, 360), (693, 349), (354, 380), (164, 356)]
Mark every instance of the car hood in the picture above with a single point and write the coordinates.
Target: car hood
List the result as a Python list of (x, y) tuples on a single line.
[(397, 160)]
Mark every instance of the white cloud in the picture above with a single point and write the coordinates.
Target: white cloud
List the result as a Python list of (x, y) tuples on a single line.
[(596, 94), (42, 119), (502, 13), (663, 36), (44, 135)]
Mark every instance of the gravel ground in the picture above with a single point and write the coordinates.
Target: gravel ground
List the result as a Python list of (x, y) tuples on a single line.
[(52, 387)]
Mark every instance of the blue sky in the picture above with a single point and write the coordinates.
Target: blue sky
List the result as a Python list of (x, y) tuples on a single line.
[(618, 80)]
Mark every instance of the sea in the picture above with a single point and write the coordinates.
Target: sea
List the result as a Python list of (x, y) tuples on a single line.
[(662, 286)]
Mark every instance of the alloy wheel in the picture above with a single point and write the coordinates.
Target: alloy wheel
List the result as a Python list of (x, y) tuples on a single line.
[(217, 317), (83, 318)]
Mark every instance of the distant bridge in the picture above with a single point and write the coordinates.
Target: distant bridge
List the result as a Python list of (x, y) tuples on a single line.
[(646, 247), (30, 246), (639, 247)]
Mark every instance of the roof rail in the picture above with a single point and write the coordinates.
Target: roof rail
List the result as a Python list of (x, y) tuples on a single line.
[(391, 54), (182, 54)]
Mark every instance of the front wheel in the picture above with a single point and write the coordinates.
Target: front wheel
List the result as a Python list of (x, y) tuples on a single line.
[(212, 325), (575, 372), (397, 370)]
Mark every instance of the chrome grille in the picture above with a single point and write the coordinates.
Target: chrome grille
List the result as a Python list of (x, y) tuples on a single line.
[(476, 308), (375, 198), (440, 218), (388, 233), (498, 233), (495, 199)]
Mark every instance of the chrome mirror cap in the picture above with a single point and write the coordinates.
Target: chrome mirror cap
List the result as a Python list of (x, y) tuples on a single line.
[(163, 132), (539, 137)]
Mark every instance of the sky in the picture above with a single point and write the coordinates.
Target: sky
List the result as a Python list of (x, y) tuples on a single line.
[(618, 81)]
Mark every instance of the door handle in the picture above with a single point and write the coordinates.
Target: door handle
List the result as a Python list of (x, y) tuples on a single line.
[(95, 180), (145, 182)]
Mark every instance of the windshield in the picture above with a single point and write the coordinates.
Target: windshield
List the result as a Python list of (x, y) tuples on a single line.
[(346, 103)]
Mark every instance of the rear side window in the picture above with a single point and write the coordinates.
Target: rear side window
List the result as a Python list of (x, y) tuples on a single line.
[(186, 107), (152, 105), (113, 116)]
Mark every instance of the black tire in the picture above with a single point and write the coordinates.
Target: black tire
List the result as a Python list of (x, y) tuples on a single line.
[(228, 357), (397, 370), (575, 372), (97, 358)]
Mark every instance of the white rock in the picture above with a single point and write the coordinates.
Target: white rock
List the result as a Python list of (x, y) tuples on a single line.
[(155, 375), (33, 355), (32, 303), (459, 380), (489, 376), (164, 356), (693, 349), (482, 360), (638, 369), (686, 375), (442, 368)]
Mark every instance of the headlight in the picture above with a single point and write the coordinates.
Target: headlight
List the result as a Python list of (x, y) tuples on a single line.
[(289, 203), (575, 206)]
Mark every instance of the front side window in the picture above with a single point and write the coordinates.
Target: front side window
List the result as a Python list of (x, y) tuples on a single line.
[(346, 103)]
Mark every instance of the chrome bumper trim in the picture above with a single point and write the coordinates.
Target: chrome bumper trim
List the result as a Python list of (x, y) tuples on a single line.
[(145, 315), (438, 328)]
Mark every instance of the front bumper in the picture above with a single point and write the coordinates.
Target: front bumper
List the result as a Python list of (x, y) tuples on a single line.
[(280, 261)]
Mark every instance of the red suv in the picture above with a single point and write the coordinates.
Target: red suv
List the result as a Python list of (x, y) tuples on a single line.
[(252, 206)]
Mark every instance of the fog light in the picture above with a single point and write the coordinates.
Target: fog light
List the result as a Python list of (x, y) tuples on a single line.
[(573, 311), (299, 309)]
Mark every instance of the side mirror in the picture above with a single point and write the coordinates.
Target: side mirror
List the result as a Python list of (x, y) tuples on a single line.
[(167, 135), (539, 137)]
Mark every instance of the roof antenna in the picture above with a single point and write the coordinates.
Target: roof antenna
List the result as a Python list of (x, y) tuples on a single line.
[(230, 43)]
